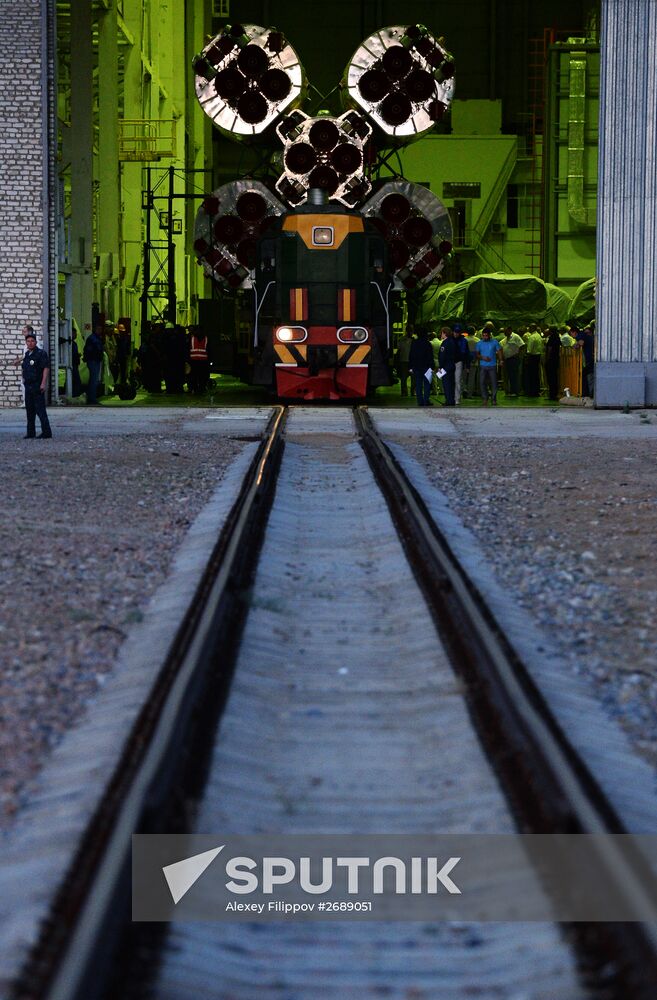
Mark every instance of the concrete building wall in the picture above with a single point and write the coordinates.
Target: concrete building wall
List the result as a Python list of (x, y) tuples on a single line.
[(626, 370), (24, 209)]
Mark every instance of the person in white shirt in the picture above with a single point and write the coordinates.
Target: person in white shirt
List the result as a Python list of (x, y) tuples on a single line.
[(513, 347)]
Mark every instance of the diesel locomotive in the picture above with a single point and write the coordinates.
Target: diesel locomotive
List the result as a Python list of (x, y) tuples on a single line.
[(322, 300)]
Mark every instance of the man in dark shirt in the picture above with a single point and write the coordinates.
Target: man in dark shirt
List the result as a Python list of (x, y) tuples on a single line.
[(92, 354), (421, 363), (447, 358), (35, 367), (585, 341)]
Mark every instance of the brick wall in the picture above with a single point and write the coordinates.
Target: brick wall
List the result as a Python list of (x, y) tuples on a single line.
[(24, 287)]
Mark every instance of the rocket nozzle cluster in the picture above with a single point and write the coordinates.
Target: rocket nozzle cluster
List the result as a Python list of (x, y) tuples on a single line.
[(402, 78), (397, 86), (228, 225), (326, 153), (416, 227), (246, 78)]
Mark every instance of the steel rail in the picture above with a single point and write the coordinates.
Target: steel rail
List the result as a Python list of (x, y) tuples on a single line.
[(548, 784), (89, 913)]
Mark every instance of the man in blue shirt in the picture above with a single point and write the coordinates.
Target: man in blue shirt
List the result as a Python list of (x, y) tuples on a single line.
[(488, 351)]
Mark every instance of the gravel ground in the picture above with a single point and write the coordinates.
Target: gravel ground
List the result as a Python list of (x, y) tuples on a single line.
[(571, 528), (88, 528)]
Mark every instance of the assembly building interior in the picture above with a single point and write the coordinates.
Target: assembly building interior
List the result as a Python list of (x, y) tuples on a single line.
[(514, 161)]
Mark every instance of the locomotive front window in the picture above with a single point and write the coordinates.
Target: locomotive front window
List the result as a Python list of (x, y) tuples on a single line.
[(323, 236)]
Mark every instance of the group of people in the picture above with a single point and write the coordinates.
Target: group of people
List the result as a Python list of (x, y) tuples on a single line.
[(175, 356), (106, 345), (465, 362), (167, 353)]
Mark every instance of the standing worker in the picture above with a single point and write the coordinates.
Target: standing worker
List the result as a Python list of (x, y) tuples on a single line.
[(435, 347), (533, 363), (35, 366), (462, 361), (585, 341), (488, 352), (473, 368), (199, 361), (552, 352), (447, 357), (421, 362), (512, 347), (123, 352), (92, 355), (402, 360)]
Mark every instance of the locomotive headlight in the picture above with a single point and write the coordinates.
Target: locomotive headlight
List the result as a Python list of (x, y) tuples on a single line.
[(352, 334), (291, 334), (322, 236)]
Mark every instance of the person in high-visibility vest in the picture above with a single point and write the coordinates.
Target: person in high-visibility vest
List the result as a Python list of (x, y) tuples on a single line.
[(199, 361)]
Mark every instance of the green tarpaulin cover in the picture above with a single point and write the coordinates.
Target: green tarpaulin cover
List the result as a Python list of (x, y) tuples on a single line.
[(503, 298), (582, 310)]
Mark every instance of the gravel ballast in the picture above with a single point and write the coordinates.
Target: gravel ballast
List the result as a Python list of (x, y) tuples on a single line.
[(88, 529), (569, 526)]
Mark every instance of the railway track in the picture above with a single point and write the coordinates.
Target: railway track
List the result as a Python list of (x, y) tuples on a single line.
[(280, 532)]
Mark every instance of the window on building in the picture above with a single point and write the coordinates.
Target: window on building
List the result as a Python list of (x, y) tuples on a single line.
[(522, 206), (512, 206)]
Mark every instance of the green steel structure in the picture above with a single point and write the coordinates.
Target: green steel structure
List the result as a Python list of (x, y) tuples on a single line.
[(132, 143), (570, 171)]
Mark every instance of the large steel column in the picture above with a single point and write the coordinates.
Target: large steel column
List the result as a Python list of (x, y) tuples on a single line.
[(134, 87), (108, 158), (198, 138), (626, 369), (82, 163)]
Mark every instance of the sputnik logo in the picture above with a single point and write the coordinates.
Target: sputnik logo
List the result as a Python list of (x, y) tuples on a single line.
[(182, 875)]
